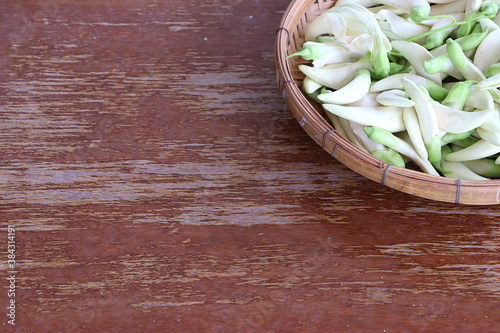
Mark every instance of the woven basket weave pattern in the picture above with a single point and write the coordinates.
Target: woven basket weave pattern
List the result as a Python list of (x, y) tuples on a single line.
[(289, 39)]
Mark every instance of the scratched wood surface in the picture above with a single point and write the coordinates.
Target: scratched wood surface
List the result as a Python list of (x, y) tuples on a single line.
[(158, 183)]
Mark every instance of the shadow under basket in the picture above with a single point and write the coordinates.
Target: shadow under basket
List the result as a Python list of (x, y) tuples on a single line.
[(289, 39)]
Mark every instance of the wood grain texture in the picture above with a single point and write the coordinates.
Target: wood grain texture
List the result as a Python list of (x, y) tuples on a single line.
[(158, 183)]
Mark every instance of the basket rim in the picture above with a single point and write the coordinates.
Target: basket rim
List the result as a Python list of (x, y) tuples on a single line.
[(460, 191)]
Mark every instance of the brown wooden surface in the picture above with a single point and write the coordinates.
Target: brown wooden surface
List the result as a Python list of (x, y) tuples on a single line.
[(158, 182)]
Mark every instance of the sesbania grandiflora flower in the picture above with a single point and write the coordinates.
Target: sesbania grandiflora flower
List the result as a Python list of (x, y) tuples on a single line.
[(452, 120), (457, 170), (389, 118), (416, 55), (351, 92), (335, 76), (355, 25), (485, 167), (331, 52), (388, 139), (398, 27), (462, 63), (427, 118), (488, 52), (478, 150)]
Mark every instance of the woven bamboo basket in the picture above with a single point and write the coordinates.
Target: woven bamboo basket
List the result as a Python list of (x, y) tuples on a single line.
[(289, 39)]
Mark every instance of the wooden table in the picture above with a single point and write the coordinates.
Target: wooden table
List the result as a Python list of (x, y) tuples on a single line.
[(155, 181)]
